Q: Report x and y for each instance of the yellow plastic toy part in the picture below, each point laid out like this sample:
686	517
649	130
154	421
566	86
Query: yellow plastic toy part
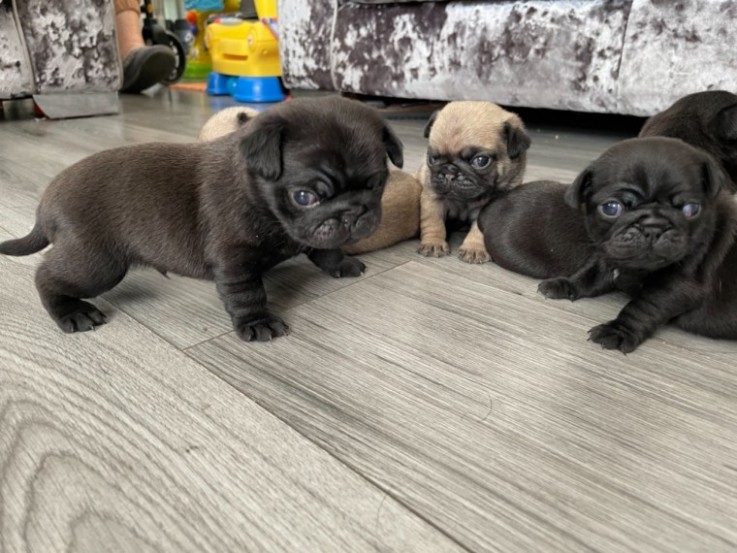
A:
245	48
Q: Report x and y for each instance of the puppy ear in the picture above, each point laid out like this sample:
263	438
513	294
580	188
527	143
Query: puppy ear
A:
580	191
394	147
712	177
242	118
430	123
262	147
518	142
725	123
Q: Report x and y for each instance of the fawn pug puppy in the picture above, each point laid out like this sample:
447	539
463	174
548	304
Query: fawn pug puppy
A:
476	151
662	228
707	120
306	176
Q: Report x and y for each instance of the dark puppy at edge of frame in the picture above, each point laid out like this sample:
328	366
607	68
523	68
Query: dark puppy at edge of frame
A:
707	120
663	228
303	177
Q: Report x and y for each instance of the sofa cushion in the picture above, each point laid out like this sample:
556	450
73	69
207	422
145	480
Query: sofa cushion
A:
305	48
71	44
684	48
562	54
415	1
15	76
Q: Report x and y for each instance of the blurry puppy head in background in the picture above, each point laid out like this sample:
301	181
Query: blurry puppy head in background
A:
225	121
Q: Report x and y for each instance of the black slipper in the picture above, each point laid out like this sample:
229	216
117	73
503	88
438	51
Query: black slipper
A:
144	67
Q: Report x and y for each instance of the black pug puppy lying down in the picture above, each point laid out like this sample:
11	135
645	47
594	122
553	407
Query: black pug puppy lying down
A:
662	229
306	176
532	230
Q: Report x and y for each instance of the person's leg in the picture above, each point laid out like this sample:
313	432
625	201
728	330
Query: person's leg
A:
128	26
143	66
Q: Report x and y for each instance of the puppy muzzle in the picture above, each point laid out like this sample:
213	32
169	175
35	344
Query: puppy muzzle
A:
349	226
451	182
649	244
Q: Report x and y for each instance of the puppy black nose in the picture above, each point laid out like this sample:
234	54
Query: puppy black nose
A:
653	227
450	168
350	216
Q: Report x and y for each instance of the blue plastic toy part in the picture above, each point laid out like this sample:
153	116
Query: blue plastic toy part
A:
245	89
257	89
204	5
217	84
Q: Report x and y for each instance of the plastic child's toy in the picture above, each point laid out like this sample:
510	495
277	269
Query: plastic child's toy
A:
199	64
245	56
199	12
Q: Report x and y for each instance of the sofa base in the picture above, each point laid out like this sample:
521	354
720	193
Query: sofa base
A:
65	106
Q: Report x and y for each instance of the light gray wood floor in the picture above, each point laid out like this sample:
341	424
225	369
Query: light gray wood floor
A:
426	406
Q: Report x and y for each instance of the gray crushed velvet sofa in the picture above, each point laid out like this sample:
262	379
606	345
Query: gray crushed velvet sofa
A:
61	52
610	56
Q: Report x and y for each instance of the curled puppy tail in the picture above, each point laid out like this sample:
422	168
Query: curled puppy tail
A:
34	242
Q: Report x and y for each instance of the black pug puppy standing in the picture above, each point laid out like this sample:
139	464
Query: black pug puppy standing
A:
663	230
304	177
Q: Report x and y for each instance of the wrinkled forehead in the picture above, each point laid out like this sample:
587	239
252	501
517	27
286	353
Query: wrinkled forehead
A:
451	135
340	139
651	174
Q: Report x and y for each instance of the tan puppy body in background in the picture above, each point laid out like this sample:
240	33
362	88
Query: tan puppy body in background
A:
225	121
400	203
476	151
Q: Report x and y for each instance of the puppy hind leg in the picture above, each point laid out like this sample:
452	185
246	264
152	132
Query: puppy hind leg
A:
68	274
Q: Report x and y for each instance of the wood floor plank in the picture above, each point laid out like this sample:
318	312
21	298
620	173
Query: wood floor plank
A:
186	312
115	441
490	414
599	309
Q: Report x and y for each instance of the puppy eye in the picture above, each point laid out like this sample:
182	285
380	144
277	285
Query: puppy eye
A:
611	209
691	210
432	159
481	162
305	198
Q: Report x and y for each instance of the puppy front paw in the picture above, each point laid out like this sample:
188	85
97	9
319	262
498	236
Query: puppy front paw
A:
558	289
474	255
434	249
261	329
614	335
348	267
80	316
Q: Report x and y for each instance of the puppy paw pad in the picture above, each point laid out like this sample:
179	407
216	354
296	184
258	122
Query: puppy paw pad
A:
557	289
439	249
82	318
614	336
475	256
261	330
349	267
